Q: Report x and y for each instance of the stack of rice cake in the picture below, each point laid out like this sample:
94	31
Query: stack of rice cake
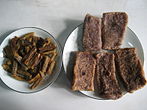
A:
107	33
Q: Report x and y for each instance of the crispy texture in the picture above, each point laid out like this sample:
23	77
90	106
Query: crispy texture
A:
28	35
44	68
8	52
26	59
14	67
48	47
84	71
7	67
130	69
113	29
51	67
35	78
45	63
29	58
15	76
36	83
92	33
27	76
107	84
35	60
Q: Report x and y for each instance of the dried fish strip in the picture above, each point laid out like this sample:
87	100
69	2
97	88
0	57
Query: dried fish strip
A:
35	84
24	42
34	79
49	53
35	61
51	67
47	41
28	35
17	77
14	46
35	40
14	67
49	47
26	74
8	52
7	67
17	57
54	56
29	58
45	64
13	43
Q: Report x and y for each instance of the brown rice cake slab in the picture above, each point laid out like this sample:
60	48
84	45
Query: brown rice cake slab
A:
113	28
92	33
107	84
84	71
130	69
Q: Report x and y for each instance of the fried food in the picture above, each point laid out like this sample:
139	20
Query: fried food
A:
30	58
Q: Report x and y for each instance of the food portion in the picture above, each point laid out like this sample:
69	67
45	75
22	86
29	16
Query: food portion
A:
84	71
92	33
113	29
106	82
130	69
106	32
30	58
112	71
108	73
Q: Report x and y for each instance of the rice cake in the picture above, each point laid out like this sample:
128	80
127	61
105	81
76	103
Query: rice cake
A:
113	29
129	69
92	33
84	71
106	82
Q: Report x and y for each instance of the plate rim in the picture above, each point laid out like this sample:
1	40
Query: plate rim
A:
97	98
60	65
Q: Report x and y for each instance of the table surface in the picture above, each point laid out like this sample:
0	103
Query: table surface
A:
60	17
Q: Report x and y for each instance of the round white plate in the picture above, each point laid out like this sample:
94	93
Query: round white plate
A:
74	43
21	86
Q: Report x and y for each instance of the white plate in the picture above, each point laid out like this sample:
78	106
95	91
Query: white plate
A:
74	43
21	86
